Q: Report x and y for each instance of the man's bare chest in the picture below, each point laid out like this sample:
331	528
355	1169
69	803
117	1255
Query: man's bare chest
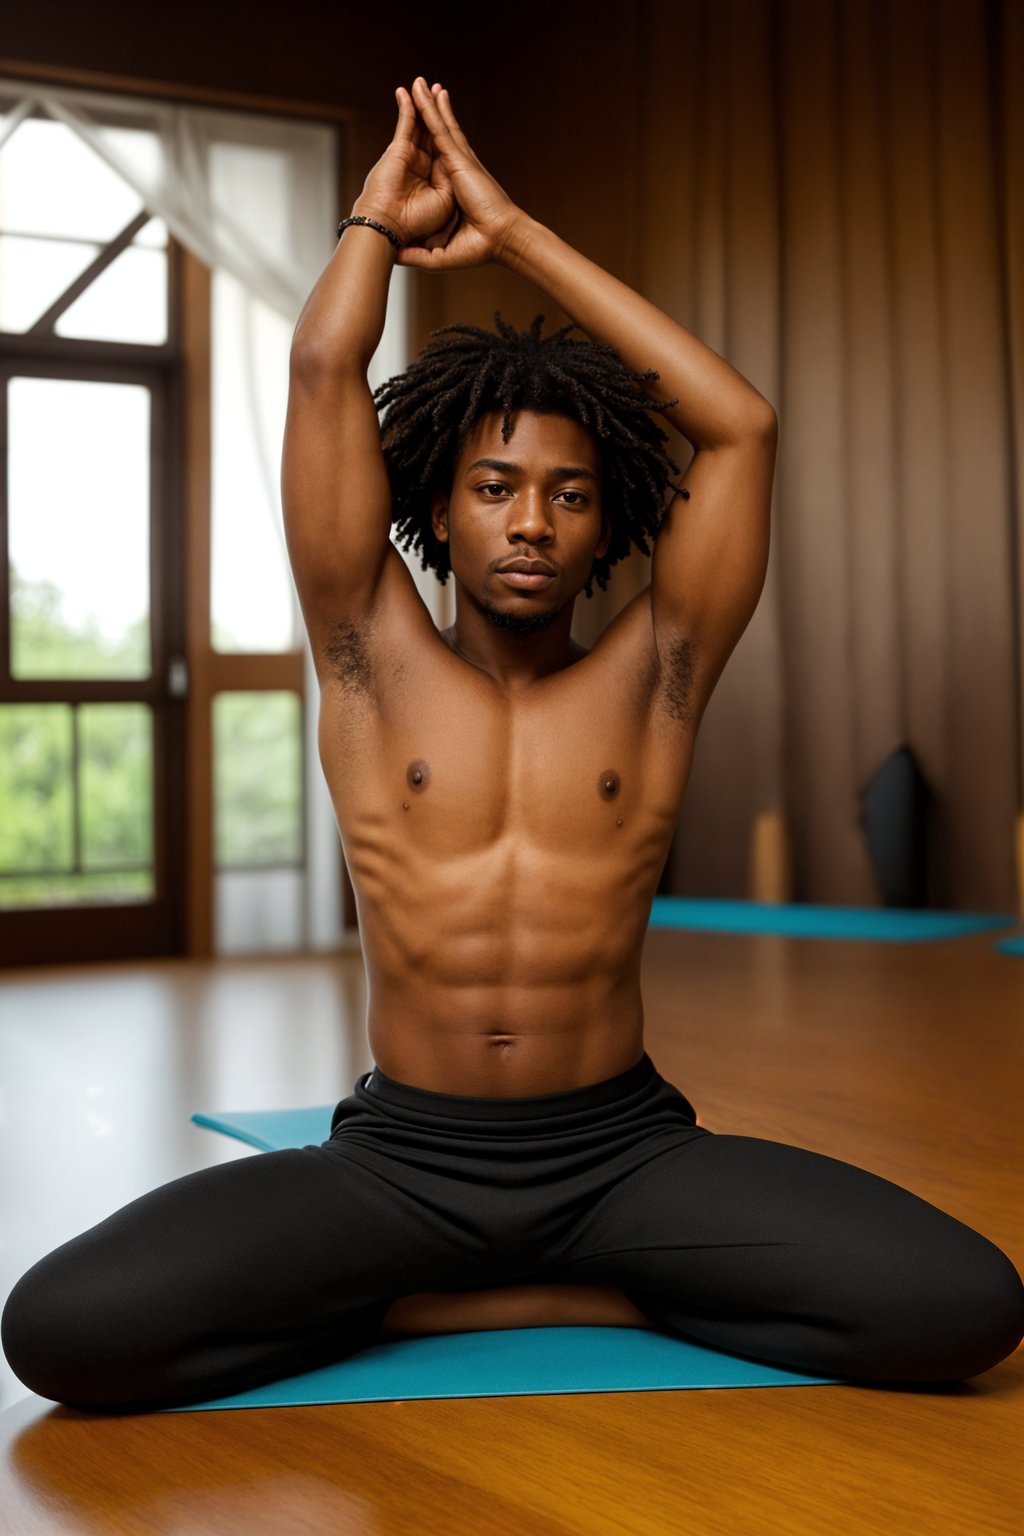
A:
579	760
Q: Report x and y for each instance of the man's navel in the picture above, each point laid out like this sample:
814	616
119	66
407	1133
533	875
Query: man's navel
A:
503	1043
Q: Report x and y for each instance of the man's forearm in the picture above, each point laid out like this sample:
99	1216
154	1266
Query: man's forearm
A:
343	319
716	405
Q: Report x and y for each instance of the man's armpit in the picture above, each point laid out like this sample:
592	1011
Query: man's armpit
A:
347	654
678	679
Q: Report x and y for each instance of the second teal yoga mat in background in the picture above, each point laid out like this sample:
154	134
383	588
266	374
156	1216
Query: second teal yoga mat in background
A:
887	925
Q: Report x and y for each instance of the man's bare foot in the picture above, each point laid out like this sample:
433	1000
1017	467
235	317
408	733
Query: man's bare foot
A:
513	1306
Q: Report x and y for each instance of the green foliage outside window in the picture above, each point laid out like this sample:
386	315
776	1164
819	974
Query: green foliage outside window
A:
35	786
257	762
43	644
257	774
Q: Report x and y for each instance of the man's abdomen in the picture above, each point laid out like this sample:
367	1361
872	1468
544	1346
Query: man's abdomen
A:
511	971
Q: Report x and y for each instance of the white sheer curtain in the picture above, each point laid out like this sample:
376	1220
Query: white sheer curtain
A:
251	195
255	199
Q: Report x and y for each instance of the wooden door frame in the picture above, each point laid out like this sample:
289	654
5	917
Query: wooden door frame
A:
88	931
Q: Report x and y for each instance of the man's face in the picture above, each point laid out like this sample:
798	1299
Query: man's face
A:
535	499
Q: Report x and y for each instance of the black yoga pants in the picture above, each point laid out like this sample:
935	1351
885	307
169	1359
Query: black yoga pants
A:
285	1261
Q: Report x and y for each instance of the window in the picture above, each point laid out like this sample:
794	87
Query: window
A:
95	689
143	241
88	751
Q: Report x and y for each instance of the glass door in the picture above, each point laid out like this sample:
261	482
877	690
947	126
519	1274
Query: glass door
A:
91	564
91	690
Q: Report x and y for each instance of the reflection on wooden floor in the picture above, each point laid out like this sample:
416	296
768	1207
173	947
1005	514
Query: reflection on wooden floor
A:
904	1059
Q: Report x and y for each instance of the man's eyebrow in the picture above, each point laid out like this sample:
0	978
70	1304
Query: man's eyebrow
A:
563	472
573	472
497	464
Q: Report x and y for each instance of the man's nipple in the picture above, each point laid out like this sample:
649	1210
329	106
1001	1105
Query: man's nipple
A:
608	786
417	775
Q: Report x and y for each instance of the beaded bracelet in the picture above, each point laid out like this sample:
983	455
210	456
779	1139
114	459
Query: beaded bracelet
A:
358	218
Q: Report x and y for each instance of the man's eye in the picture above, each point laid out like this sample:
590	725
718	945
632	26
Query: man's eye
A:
492	486
574	498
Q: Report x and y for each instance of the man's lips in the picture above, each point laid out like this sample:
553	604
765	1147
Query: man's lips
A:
526	573
526	578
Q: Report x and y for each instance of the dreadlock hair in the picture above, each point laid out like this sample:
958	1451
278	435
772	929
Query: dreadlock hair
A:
464	373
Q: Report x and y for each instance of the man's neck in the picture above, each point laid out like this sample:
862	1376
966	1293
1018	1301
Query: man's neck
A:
513	661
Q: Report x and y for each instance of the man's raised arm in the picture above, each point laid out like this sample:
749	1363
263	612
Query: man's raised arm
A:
337	508
711	553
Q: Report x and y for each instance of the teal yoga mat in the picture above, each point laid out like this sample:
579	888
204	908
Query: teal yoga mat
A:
517	1362
1014	945
507	1362
272	1129
888	925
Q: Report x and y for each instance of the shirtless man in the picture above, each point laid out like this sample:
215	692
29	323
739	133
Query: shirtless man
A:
506	802
504	897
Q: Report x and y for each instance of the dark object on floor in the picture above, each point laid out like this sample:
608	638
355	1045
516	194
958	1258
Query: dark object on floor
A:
894	814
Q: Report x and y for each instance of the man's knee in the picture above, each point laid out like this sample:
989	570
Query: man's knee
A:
990	1317
948	1320
940	1310
65	1336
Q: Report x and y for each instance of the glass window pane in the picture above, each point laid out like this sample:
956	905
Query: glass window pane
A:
59	204
258	911
115	766
33	273
252	599
127	302
79	528
257	778
52	183
251	177
140	148
77	890
152	234
36	827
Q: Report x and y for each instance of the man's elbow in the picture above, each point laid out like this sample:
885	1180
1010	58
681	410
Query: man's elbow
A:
754	422
764	423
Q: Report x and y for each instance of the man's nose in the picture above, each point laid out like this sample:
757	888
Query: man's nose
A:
530	517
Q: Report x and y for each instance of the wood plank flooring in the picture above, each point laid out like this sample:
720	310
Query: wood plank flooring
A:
904	1059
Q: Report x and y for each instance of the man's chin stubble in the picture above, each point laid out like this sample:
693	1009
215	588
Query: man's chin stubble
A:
529	623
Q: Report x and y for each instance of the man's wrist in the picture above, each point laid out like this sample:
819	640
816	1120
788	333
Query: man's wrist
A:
513	249
366	210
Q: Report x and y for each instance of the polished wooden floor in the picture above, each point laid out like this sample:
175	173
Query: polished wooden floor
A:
904	1059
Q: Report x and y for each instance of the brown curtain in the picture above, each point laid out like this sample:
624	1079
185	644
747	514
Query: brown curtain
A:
842	185
829	193
1010	88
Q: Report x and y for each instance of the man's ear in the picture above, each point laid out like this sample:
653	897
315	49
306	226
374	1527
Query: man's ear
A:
605	539
439	516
